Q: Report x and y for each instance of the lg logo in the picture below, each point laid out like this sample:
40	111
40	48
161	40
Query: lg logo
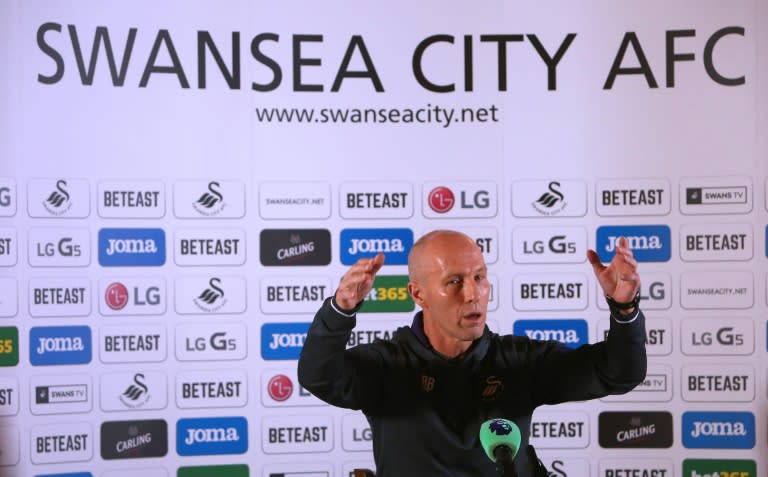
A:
5	197
441	199
557	244
724	336
65	248
459	200
218	342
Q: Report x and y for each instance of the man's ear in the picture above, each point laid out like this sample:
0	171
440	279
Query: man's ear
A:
416	293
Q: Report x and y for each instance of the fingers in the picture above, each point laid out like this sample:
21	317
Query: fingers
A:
358	281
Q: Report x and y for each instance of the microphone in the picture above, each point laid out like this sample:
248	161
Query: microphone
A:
500	439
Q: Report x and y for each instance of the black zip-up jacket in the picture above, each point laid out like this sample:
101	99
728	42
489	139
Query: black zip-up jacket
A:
425	409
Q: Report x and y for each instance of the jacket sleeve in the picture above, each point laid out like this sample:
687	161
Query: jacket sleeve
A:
344	378
613	366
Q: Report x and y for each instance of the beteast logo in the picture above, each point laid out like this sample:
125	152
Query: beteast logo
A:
134	439
376	200
131	247
647	430
649	243
9	396
212	436
572	333
9	346
719	468
459	200
298	247
718	430
136	343
59	297
366	243
57	443
217	388
59	345
282	340
718	383
9	254
558	429
131	200
236	470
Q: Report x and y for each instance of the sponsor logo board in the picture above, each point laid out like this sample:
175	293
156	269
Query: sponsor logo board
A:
633	197
715	195
719	468
134	391
716	290
211	436
63	198
203	389
282	340
131	247
8	197
209	247
627	467
211	342
635	429
9	346
215	199
572	333
59	345
280	387
718	430
294	294
137	343
294	200
718	383
62	442
9	298
9	396
649	243
295	247
132	296
60	394
539	291
395	244
466	200
389	294
206	294
717	336
59	297
131	199
49	247
296	434
9	249
716	242
559	429
134	439
549	198
656	387
549	244
376	200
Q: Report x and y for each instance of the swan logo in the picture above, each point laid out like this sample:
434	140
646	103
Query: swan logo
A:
212	298
57	202
211	202
136	395
552	201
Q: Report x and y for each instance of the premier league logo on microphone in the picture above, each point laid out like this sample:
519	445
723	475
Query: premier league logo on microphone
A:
500	427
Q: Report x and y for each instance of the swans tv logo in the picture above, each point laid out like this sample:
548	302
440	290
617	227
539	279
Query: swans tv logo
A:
212	436
60	394
134	439
572	333
367	243
59	345
718	430
282	340
719	468
131	247
649	243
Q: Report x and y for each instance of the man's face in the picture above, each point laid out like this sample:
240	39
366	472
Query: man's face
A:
451	286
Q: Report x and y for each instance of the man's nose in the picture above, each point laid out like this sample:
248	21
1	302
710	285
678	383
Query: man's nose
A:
471	291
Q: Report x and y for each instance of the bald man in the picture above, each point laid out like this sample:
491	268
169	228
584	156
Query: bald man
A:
426	391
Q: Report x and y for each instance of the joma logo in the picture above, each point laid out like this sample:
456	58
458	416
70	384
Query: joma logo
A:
131	246
206	435
726	428
640	242
376	246
54	345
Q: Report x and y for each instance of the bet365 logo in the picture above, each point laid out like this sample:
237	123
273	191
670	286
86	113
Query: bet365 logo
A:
9	346
389	294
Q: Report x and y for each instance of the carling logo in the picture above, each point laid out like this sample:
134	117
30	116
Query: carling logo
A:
282	340
366	243
299	247
649	243
134	439
131	247
212	436
58	345
572	333
718	430
637	429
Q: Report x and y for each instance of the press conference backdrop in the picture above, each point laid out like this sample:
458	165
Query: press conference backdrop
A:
183	183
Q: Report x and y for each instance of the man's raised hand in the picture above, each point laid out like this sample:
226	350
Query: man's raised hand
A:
358	281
